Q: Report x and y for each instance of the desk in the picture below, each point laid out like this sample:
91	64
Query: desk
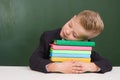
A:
25	73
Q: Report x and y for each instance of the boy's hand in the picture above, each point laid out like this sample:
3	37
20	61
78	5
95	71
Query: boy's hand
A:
72	67
69	67
84	67
64	67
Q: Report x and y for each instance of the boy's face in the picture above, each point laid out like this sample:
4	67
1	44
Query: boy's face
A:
73	30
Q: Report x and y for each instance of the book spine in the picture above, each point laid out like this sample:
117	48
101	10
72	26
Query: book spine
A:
70	55
70	51
58	47
56	59
74	43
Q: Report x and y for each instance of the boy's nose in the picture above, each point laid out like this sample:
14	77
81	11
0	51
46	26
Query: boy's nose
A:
68	31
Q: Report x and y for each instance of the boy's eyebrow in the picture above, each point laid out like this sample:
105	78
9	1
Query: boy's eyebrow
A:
83	37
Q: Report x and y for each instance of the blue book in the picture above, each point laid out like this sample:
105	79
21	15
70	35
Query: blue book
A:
70	55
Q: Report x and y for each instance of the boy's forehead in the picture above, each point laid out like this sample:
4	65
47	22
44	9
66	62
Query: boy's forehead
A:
80	31
76	19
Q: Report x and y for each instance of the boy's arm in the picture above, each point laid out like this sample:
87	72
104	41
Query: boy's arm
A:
40	58
74	67
101	62
98	64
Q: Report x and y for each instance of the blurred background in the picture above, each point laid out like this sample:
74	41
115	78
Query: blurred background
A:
23	21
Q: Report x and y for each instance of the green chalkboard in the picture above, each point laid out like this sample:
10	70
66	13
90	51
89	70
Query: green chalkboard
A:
23	21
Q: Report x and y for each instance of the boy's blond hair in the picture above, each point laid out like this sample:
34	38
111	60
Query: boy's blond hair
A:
91	20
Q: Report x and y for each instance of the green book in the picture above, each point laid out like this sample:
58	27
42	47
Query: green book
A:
74	43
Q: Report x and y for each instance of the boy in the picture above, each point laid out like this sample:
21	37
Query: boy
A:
83	26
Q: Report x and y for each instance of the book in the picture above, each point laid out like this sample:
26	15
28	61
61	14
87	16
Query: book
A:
60	47
70	55
57	59
70	51
74	43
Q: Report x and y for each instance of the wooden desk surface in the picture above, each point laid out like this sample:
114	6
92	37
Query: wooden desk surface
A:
25	73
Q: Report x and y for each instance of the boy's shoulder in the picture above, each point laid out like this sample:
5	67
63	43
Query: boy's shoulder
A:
52	33
57	31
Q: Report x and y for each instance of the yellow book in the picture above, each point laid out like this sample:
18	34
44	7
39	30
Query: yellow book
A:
59	59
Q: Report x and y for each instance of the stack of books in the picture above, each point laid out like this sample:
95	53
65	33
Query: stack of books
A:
66	50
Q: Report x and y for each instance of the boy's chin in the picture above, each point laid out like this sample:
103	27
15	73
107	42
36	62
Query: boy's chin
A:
64	38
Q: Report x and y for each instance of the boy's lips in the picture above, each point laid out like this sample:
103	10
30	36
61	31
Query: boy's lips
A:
64	34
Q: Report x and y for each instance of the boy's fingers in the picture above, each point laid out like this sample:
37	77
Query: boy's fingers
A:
77	71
